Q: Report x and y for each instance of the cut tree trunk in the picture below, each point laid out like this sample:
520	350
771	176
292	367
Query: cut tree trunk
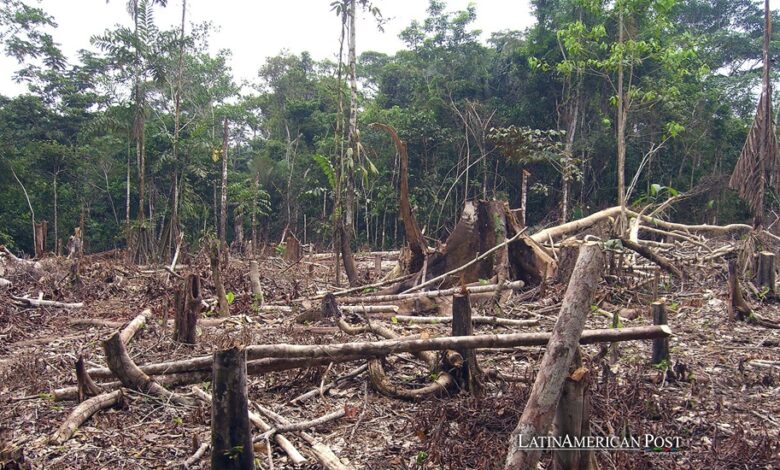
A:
468	376
216	275
292	249
86	386
540	409
41	229
254	278
738	309
766	271
572	418
189	301
661	345
231	440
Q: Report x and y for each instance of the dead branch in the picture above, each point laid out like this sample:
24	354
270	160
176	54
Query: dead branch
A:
259	423
47	303
127	334
322	452
324	388
83	412
303	425
649	254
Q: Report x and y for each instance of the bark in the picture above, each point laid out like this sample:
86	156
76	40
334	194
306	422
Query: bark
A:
254	278
129	332
189	301
292	250
86	386
371	299
738	308
131	376
475	319
47	303
649	254
524	197
572	418
231	441
83	412
766	271
414	236
41	229
540	409
223	199
567	259
468	376
661	345
259	423
216	275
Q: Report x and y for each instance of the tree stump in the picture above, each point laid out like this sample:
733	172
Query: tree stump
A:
378	266
292	250
216	275
41	230
766	271
254	278
231	441
188	306
572	418
567	258
660	346
468	374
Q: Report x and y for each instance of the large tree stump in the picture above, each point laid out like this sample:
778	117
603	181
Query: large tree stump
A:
468	375
231	441
292	249
572	418
661	345
567	258
542	403
766	271
188	306
254	278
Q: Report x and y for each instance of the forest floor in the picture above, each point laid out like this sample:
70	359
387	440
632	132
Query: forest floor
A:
724	406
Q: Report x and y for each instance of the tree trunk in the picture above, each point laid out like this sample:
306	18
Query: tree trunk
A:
216	275
766	271
231	441
468	375
621	133
223	200
188	306
572	418
540	409
661	345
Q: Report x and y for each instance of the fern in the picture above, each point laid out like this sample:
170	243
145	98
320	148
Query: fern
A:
326	168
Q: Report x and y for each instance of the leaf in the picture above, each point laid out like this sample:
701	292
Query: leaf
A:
394	320
230	296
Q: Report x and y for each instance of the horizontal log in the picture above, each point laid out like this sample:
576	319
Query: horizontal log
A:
369	299
476	319
47	303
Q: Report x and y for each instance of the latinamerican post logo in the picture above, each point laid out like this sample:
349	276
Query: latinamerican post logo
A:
644	443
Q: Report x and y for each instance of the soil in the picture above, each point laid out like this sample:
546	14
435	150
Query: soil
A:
712	395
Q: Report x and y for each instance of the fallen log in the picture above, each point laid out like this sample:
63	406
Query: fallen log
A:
540	408
387	347
476	320
131	376
184	378
371	299
136	324
279	357
83	412
47	303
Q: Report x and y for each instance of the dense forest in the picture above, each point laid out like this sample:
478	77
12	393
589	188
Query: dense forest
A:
134	132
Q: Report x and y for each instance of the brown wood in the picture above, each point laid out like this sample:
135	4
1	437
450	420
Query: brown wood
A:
254	278
766	271
189	301
292	249
738	308
649	254
83	412
131	376
231	440
414	236
468	376
660	345
216	276
135	325
41	230
567	258
572	418
539	411
86	386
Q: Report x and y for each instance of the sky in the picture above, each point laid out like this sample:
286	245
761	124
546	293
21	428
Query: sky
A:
256	29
